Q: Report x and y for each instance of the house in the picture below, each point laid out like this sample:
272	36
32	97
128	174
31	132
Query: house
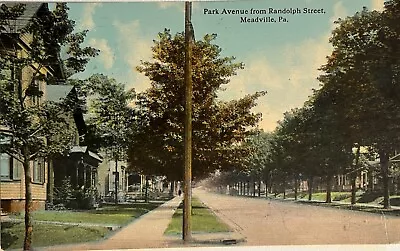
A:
113	177
79	165
11	170
130	185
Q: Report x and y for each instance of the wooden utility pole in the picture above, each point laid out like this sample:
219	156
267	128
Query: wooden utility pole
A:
187	200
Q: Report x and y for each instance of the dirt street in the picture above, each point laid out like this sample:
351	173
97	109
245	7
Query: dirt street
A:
266	222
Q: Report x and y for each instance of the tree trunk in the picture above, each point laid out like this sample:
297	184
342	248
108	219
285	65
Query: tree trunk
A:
329	189
266	187
259	188
146	195
353	188
284	188
310	187
354	177
171	189
384	163
371	180
50	182
254	189
295	187
116	179
28	203
270	182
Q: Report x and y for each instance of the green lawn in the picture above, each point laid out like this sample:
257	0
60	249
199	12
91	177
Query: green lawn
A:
321	196
203	220
12	234
53	234
110	214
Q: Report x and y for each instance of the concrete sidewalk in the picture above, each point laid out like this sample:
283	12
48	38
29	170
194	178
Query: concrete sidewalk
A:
145	232
148	232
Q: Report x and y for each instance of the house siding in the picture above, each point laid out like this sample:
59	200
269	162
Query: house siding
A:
13	194
13	191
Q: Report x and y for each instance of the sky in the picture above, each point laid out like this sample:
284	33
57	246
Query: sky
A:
281	58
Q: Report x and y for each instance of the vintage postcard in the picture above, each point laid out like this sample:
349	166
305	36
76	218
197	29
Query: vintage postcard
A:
200	125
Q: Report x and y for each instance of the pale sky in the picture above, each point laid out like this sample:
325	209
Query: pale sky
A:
281	58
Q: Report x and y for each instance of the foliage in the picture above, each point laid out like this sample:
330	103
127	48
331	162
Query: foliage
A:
111	118
64	193
360	77
259	157
80	198
37	128
219	128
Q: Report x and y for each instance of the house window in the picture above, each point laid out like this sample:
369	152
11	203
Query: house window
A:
36	100
11	169
5	159
5	163
38	171
17	169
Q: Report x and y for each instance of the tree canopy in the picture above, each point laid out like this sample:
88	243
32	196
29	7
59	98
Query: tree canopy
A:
219	127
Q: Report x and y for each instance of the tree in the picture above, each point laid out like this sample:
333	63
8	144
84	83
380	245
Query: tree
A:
354	78
27	119
112	120
309	142
219	127
259	158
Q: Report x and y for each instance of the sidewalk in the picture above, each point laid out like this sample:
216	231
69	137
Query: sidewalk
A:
148	232
145	232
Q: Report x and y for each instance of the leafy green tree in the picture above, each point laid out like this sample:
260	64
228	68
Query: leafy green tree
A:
332	148
311	144
259	158
383	51
369	115
27	119
112	120
219	127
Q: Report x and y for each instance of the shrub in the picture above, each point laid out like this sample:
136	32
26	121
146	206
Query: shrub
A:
81	198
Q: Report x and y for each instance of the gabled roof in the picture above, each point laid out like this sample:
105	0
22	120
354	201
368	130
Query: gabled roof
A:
78	149
31	10
83	150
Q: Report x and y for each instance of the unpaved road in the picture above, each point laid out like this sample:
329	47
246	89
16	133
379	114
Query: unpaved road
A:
268	222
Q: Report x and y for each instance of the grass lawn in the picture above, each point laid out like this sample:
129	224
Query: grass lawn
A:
303	195
203	220
108	214
336	196
12	234
321	196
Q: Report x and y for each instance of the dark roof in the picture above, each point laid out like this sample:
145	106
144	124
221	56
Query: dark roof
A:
31	10
84	150
57	92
